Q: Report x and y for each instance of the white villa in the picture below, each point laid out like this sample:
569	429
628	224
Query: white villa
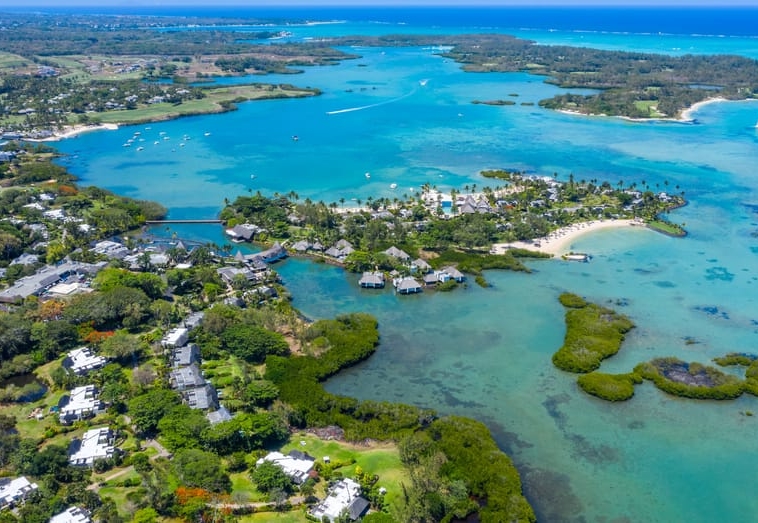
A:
80	403
13	491
82	360
296	465
344	495
72	515
95	444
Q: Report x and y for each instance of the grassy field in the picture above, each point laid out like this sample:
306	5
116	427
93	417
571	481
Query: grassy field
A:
650	107
296	516
382	459
212	103
10	62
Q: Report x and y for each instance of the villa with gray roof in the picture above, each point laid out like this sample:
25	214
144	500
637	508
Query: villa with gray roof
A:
219	415
47	276
201	398
185	355
397	253
455	274
421	265
186	378
244	232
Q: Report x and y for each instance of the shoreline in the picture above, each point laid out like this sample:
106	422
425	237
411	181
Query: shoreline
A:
685	116
558	242
74	131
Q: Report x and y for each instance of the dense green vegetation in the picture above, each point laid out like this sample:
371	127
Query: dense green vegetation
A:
690	380
456	470
736	358
666	227
341	342
610	387
593	333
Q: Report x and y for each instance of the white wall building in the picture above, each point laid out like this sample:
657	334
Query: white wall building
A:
95	444
14	491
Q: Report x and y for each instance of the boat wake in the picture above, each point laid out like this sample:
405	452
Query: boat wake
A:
361	108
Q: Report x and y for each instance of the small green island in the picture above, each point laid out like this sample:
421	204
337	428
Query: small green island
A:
594	333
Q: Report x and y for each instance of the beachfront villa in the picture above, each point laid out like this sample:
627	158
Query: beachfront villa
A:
398	254
406	285
372	280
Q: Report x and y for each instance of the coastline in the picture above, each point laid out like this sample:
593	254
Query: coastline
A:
685	116
557	243
74	131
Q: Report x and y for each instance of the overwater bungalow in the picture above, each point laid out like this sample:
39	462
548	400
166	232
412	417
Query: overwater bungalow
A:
407	285
372	280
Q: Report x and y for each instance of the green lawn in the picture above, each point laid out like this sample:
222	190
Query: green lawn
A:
209	104
244	488
9	62
296	516
382	459
650	107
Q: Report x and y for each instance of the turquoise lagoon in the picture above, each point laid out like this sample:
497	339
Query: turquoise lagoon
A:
486	353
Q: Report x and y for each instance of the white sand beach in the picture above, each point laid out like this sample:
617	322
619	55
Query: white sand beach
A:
76	130
558	242
687	114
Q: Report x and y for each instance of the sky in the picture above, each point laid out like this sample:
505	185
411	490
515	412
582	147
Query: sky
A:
358	3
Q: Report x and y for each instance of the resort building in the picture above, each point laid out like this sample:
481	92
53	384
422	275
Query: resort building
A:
217	416
296	465
202	398
14	491
454	274
421	266
82	360
94	444
372	280
72	515
185	378
396	253
111	249
343	496
243	232
406	285
79	404
185	355
46	277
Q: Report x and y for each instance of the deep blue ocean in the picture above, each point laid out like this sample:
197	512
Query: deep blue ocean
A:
406	116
